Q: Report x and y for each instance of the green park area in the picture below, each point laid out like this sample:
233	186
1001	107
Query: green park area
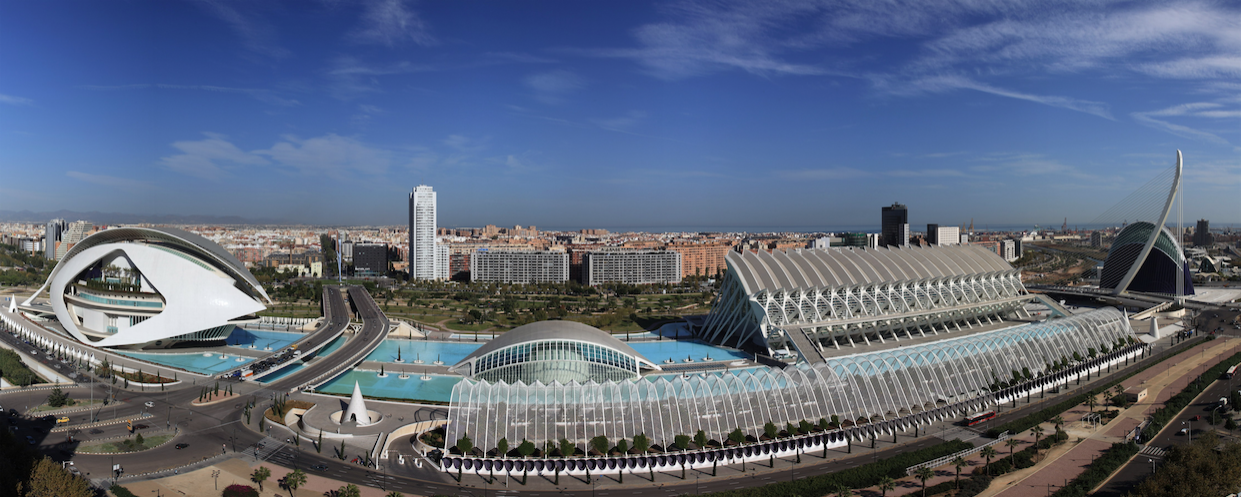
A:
490	307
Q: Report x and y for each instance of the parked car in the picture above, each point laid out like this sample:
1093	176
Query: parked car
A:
29	439
141	427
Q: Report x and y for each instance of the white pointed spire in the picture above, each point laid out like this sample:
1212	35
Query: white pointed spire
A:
1154	326
357	407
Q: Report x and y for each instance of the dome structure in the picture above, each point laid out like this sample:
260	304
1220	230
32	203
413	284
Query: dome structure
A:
145	287
1158	273
554	351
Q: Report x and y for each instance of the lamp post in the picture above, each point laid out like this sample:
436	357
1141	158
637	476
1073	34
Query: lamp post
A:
1152	461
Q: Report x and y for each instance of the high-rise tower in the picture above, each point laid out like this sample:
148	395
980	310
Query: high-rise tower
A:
422	224
55	229
895	225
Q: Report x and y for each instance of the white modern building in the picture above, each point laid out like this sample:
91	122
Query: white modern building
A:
422	227
635	267
519	266
943	235
140	287
441	261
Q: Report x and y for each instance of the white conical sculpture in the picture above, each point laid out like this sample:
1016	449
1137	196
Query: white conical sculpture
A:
1155	327
357	407
13	304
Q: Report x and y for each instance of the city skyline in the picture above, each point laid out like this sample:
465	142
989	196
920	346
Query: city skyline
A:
667	114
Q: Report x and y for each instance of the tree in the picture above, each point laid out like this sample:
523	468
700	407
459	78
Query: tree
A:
700	439
525	449
622	446
394	493
959	462
58	398
770	430
842	490
294	479
1037	431
465	445
342	450
567	448
139	440
738	438
886	483
502	447
1058	421
987	452
104	370
1012	444
48	479
641	443
260	475
924	473
349	490
600	443
1092	401
681	441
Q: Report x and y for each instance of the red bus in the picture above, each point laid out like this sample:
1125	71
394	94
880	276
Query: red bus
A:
980	417
1231	371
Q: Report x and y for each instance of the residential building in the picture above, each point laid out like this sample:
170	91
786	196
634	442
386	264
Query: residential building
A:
519	266
702	258
422	250
1202	234
635	267
943	235
51	235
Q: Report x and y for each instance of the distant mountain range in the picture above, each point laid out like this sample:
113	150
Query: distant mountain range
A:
124	218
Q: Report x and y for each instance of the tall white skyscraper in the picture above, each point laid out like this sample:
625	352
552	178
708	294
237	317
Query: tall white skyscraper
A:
422	226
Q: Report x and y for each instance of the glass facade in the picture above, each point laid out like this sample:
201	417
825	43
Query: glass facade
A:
878	385
549	361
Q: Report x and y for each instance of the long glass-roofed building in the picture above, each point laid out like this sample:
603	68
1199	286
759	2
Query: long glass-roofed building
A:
858	388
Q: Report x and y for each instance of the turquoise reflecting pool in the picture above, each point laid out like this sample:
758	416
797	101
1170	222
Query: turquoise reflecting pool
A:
678	350
282	372
262	339
411	350
194	361
331	347
437	389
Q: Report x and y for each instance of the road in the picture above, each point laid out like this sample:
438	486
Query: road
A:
374	331
1131	474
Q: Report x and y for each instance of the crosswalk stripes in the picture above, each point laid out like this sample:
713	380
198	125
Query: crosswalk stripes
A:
1151	450
266	447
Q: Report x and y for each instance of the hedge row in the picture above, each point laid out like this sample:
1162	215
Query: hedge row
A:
1099	470
970	486
866	475
120	491
1182	400
1029	421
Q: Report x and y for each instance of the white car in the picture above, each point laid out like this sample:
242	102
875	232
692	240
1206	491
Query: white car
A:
149	404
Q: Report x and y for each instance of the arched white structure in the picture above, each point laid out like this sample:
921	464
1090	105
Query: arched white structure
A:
1154	233
178	286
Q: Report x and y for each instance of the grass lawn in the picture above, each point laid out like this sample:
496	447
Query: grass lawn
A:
127	445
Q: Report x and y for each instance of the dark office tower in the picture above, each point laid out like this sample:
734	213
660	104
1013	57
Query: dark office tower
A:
896	225
1202	235
55	229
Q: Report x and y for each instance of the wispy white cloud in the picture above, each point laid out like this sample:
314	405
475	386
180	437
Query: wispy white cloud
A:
831	173
256	35
210	158
924	173
551	87
109	181
350	78
624	122
268	96
392	23
943	83
14	100
330	155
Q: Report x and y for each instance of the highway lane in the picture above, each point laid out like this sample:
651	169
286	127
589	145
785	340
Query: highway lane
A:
374	330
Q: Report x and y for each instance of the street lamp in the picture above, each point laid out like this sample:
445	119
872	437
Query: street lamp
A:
1152	461
1191	429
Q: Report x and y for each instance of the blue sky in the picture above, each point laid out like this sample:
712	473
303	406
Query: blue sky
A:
614	114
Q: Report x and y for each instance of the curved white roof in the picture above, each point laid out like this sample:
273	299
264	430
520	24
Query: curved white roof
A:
813	268
556	330
203	286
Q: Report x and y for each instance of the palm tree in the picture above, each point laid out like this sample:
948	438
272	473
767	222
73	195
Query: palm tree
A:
842	491
886	483
1037	431
988	452
1011	443
1092	401
394	493
260	475
1058	421
959	463
924	473
294	479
